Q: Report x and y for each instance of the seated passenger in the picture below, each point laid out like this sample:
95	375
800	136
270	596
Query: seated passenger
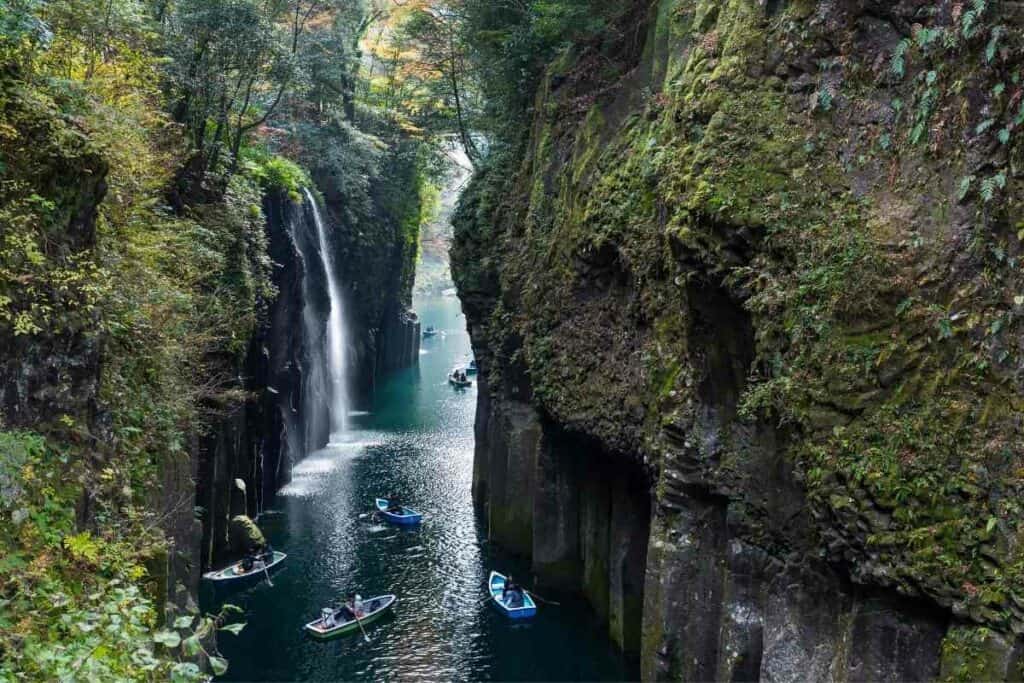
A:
512	594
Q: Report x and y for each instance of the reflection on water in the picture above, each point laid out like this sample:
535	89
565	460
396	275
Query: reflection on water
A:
417	440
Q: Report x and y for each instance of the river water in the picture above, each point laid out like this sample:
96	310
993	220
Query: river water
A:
417	440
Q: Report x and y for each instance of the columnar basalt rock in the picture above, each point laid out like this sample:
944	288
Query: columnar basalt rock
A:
261	439
727	268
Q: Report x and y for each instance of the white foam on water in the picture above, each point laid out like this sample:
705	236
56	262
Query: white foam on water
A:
314	466
299	488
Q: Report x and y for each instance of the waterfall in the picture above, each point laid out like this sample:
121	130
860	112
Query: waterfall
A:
336	334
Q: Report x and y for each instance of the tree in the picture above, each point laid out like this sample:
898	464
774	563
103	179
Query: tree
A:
232	64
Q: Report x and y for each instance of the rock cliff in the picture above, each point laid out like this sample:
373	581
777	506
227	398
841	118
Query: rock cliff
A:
285	418
747	304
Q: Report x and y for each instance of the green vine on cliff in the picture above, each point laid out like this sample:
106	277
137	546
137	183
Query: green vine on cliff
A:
72	603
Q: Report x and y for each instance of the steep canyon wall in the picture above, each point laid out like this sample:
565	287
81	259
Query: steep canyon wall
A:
286	416
744	304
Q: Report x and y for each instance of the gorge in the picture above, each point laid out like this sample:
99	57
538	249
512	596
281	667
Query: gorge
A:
742	279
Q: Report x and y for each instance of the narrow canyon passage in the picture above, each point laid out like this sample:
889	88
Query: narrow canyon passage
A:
416	439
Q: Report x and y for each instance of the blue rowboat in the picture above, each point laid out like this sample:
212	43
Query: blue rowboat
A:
406	518
497	585
471	369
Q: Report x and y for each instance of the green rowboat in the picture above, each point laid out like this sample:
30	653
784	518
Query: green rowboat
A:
334	626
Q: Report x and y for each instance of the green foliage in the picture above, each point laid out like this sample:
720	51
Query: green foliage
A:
556	22
897	384
510	48
275	173
70	602
138	141
971	19
899	56
990	185
165	296
965	187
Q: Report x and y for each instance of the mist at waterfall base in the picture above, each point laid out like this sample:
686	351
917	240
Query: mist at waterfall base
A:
417	439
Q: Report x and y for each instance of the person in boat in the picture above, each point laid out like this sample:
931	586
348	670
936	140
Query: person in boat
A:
258	558
394	504
247	540
352	608
512	593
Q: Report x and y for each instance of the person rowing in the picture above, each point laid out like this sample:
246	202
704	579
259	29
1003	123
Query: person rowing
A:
512	593
395	504
247	540
352	609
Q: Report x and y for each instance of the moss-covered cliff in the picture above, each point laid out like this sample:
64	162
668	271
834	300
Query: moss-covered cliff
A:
151	354
763	257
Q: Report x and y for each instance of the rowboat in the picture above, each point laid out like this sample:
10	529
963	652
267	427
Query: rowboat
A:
330	627
236	575
497	585
460	383
429	332
406	517
471	369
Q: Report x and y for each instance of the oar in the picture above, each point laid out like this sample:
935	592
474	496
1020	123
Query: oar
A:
267	574
356	615
371	513
546	602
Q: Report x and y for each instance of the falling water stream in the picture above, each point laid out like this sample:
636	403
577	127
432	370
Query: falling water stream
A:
336	337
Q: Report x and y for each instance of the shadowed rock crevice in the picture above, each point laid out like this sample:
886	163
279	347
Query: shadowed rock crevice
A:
722	337
576	511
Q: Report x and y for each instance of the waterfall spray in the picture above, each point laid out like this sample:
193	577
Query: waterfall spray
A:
336	333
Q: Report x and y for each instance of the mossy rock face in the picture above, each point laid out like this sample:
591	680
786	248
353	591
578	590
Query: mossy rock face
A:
976	653
780	255
52	181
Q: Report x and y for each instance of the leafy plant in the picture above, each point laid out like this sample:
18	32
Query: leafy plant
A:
990	185
965	187
898	64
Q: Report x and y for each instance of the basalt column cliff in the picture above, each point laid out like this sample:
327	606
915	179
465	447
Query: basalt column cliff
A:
748	305
286	417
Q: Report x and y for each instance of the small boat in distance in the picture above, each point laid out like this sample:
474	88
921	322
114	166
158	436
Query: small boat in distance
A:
430	332
236	575
471	369
406	517
496	585
458	379
329	626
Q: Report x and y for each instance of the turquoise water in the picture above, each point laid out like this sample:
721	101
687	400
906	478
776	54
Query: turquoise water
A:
416	439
